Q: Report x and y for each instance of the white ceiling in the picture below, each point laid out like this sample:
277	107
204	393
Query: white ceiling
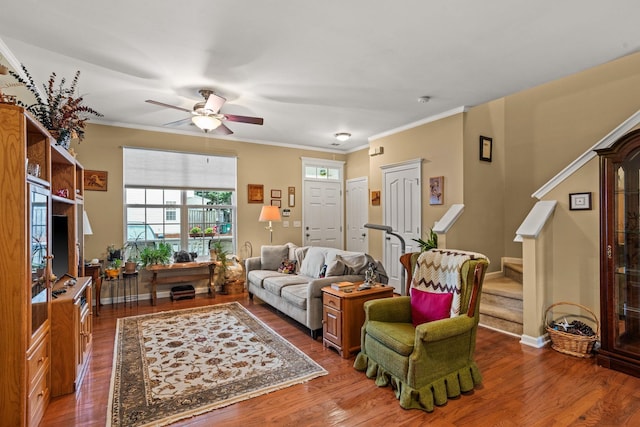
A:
310	68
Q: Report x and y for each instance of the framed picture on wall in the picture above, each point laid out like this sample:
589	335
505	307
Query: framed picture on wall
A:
486	148
95	180
256	193
436	190
580	201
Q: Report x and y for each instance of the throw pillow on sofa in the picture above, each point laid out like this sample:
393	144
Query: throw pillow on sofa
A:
288	266
272	256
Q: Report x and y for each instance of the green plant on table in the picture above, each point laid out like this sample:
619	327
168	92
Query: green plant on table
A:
160	254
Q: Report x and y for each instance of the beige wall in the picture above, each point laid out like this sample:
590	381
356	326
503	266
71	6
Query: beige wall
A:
440	145
274	167
549	126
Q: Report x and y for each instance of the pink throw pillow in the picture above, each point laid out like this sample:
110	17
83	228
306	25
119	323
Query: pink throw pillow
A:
429	306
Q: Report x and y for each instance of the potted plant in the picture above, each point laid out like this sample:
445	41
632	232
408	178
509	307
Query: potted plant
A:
215	248
61	110
132	251
113	270
209	231
430	243
160	254
195	231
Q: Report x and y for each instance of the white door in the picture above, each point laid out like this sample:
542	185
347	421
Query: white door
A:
402	201
357	201
322	214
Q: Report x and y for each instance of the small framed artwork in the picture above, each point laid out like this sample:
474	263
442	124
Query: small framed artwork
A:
276	194
275	202
436	190
95	180
375	198
486	148
256	193
292	196
580	201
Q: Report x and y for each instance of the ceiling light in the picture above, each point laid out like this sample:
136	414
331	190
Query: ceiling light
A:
342	136
424	99
206	123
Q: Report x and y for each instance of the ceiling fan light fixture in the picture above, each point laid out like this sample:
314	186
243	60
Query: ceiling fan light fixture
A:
206	123
342	136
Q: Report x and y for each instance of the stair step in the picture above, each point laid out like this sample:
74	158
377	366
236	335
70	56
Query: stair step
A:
503	286
513	271
501	305
501	324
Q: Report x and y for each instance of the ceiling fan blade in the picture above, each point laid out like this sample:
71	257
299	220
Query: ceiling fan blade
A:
178	122
162	104
244	119
222	130
214	103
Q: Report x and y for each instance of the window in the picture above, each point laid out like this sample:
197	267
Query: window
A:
189	215
170	214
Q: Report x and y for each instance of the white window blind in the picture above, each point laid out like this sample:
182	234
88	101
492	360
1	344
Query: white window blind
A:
172	169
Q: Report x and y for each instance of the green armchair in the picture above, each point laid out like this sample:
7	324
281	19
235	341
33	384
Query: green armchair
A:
431	362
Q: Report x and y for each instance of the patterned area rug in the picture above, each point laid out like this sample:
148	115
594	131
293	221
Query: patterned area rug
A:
173	365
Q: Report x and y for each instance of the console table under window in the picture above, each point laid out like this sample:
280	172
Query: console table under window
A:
160	275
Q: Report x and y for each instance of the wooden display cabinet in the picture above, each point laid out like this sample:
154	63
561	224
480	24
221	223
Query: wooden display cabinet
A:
33	170
71	335
620	255
343	316
24	250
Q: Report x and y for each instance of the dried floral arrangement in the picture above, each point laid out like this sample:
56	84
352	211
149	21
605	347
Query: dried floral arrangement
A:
61	112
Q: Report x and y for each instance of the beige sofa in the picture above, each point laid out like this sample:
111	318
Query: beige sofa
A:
299	295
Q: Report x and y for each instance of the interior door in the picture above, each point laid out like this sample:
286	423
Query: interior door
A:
357	201
322	214
402	201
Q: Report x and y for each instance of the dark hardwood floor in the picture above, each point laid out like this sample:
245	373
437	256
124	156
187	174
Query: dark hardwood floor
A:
522	386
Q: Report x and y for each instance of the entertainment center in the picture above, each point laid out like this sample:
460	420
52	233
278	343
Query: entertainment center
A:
46	341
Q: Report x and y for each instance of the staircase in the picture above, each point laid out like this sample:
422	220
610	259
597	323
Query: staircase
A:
501	301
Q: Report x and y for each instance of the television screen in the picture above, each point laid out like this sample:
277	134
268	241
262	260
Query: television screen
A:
60	247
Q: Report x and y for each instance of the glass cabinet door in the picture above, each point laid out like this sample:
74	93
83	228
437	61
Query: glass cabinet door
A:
38	250
626	259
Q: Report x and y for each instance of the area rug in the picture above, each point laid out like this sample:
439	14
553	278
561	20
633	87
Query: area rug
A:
176	364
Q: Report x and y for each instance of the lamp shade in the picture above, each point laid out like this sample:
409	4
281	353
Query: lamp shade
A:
86	225
269	213
206	123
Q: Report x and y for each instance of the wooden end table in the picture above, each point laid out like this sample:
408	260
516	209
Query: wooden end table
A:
343	316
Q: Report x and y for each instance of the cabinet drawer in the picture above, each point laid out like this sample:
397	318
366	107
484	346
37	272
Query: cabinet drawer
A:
38	361
332	301
38	399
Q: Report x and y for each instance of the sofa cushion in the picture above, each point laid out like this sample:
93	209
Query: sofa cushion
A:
296	295
313	262
398	336
272	256
257	276
337	267
275	284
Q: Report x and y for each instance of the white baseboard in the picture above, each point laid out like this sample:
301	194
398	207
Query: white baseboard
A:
499	330
536	342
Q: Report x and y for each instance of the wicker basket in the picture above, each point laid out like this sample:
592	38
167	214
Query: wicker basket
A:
575	345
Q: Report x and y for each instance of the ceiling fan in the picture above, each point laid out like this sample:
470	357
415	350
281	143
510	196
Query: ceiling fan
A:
207	116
